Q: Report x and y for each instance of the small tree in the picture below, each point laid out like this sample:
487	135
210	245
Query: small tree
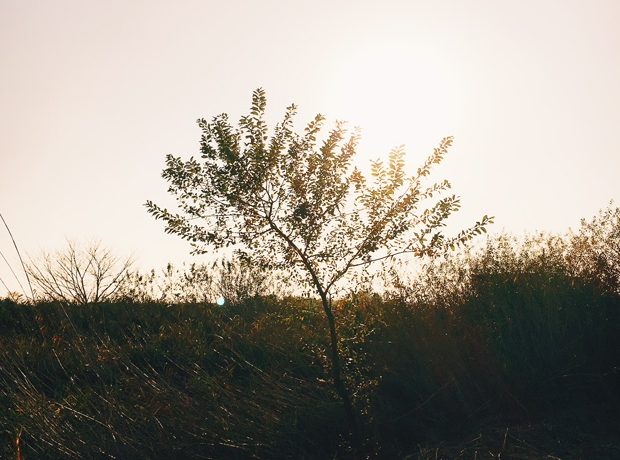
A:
298	204
78	276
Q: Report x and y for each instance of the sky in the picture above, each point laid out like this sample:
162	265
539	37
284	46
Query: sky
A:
93	95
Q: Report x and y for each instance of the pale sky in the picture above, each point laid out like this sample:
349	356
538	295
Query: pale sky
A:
94	94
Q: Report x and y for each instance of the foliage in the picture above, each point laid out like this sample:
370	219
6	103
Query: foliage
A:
292	202
595	248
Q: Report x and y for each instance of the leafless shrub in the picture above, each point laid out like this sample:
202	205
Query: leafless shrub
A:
79	276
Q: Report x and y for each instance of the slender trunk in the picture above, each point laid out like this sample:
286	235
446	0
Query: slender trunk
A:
341	388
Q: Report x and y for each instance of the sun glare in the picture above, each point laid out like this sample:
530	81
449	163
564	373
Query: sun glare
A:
396	95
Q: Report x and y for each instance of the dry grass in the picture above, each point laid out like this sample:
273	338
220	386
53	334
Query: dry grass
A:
510	353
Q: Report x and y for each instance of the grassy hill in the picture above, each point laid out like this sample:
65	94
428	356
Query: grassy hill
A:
511	352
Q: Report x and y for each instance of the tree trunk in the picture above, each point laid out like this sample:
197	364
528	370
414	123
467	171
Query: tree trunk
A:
341	388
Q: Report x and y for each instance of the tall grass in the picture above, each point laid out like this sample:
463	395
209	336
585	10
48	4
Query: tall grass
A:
152	381
21	260
523	333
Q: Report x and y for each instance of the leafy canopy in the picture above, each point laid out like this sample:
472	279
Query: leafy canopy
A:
294	201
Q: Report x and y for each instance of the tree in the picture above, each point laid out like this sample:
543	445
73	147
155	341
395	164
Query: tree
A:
79	276
295	203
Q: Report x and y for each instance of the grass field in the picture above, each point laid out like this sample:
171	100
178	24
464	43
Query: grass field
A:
511	352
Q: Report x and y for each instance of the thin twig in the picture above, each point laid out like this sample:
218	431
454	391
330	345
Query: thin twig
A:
14	275
20	257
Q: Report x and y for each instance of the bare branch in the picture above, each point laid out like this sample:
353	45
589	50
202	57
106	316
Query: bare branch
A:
79	276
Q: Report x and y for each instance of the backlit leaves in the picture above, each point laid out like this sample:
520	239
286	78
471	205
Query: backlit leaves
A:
295	201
